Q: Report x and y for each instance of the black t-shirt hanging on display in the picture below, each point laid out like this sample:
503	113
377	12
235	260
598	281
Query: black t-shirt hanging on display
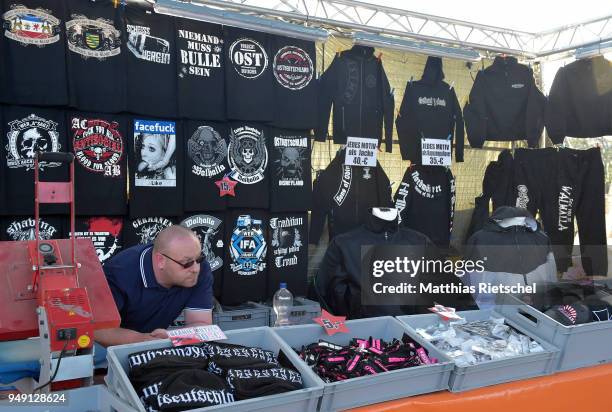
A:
96	56
35	53
210	230
151	62
288	254
156	168
99	145
17	228
206	164
245	271
105	233
290	177
144	230
201	76
248	75
294	66
27	130
248	159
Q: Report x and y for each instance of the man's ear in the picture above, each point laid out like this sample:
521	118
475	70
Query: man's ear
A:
158	260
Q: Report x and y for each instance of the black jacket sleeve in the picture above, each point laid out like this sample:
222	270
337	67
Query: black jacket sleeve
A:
320	210
327	88
459	127
383	187
556	109
330	281
535	113
475	113
388	109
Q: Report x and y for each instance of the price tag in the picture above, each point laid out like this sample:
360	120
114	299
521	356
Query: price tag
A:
436	152
197	334
361	152
332	324
446	313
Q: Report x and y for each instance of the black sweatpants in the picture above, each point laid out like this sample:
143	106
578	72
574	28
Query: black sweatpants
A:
563	184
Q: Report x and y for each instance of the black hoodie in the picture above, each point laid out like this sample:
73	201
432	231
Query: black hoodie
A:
343	195
580	100
430	109
504	105
357	86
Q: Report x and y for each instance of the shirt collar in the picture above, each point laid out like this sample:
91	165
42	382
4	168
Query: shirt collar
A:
146	268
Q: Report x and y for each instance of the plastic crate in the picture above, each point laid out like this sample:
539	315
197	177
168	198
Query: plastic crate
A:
495	371
301	400
580	345
91	398
248	315
367	390
301	313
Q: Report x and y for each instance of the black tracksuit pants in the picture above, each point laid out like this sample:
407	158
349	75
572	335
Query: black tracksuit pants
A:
563	184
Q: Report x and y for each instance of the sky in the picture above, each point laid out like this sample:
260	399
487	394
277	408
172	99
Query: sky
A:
524	15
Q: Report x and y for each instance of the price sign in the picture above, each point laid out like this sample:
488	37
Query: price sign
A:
361	152
436	152
190	336
332	324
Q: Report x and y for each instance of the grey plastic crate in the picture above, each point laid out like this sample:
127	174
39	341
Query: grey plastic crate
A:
301	313
491	372
91	398
248	315
580	345
367	390
305	399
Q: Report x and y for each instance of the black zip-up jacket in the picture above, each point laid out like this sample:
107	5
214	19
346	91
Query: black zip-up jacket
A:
357	86
342	288
343	195
504	105
430	109
580	100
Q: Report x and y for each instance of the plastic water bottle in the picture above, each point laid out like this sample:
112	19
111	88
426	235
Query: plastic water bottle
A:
282	303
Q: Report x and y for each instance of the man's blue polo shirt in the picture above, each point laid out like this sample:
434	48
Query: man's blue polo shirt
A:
143	304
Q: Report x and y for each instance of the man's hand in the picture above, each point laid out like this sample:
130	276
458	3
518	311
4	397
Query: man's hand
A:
159	334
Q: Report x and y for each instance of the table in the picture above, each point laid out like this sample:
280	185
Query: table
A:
580	390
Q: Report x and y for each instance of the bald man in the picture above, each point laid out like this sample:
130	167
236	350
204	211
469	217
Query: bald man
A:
153	283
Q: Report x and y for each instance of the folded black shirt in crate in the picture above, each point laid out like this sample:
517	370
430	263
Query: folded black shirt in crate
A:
363	357
470	343
208	374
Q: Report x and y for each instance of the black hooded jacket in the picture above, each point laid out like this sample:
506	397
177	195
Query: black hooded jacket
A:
430	109
357	86
504	105
344	283
343	195
580	100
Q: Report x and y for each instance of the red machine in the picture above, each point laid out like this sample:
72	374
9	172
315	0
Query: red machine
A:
53	295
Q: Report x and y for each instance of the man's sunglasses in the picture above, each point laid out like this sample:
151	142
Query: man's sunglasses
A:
187	265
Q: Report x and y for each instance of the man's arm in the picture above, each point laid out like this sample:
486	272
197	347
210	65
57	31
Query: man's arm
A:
120	336
201	317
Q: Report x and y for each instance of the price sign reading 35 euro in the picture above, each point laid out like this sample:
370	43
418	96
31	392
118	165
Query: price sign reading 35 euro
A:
436	152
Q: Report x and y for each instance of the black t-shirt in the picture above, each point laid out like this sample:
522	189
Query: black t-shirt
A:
288	254
290	177
96	56
17	228
35	53
99	145
201	75
105	232
27	130
205	164
248	75
156	168
144	230
211	231
249	163
245	271
294	66
151	62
